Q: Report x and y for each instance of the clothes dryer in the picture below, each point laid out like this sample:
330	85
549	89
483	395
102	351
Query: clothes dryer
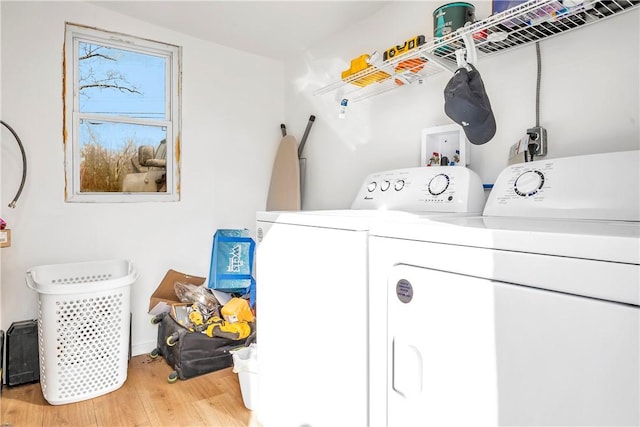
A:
312	293
527	315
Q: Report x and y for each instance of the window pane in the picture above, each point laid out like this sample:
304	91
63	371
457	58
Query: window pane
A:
122	117
115	81
122	157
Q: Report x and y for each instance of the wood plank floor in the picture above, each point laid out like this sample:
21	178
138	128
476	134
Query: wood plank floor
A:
145	399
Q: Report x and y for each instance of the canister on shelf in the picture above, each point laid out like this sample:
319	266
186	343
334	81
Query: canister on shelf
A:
449	17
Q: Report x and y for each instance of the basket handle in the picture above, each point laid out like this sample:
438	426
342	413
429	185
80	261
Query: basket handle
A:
30	282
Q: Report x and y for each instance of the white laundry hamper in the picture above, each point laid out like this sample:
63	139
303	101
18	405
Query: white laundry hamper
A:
83	327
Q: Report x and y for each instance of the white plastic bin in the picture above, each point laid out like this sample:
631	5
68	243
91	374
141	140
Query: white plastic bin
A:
245	364
83	327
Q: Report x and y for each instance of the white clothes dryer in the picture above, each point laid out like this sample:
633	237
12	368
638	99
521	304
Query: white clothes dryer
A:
528	315
312	287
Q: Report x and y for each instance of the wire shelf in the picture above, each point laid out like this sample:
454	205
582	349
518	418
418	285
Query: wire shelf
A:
519	26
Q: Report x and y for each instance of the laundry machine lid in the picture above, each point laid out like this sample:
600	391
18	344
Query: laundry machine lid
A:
345	219
615	241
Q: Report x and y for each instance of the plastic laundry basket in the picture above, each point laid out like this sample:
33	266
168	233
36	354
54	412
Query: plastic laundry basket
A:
83	327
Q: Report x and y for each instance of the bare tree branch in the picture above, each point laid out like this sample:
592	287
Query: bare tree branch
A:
111	79
96	55
111	86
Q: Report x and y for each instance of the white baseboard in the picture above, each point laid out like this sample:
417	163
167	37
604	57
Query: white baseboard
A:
143	348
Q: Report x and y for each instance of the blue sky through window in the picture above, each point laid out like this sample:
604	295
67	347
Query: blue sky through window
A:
130	70
120	83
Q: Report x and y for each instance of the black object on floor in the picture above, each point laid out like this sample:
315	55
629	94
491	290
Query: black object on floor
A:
1	357
23	365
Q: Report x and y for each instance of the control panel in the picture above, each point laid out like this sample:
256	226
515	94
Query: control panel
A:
595	186
422	189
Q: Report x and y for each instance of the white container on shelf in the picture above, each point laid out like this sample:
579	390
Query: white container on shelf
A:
440	142
83	327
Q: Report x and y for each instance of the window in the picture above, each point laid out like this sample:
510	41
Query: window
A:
122	122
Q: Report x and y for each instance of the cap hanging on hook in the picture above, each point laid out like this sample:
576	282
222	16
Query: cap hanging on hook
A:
466	103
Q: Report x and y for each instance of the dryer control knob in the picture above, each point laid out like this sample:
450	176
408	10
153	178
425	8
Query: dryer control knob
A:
371	186
528	183
399	185
438	184
385	185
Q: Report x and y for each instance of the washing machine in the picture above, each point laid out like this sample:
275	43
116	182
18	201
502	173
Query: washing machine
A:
312	293
527	315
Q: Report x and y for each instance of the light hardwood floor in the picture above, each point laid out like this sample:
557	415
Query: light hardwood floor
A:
145	399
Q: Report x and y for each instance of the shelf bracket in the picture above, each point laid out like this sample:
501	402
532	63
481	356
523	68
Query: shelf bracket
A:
444	64
468	55
464	56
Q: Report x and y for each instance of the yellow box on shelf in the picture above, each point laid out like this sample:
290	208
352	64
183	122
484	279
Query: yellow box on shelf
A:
360	64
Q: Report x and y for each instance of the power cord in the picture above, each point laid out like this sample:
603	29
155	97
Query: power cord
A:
533	146
539	60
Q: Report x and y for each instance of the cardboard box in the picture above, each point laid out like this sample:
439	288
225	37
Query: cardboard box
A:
5	238
165	293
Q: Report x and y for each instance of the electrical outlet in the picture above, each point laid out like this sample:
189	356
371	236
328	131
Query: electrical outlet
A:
538	141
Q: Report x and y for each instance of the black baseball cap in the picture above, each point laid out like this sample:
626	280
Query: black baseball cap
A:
466	103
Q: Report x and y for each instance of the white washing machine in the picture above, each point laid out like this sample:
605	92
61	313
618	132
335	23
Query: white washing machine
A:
312	307
525	316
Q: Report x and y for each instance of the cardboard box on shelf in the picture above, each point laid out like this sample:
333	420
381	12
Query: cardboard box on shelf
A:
165	295
5	238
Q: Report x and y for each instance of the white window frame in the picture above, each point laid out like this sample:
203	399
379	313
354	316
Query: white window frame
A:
74	34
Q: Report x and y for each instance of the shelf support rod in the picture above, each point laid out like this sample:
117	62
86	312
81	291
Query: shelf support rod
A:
444	64
470	45
469	51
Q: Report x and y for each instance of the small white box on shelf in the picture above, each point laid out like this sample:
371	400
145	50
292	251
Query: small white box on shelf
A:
444	146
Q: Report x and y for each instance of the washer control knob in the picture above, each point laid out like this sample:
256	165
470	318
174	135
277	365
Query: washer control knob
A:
399	185
528	183
371	186
385	185
438	184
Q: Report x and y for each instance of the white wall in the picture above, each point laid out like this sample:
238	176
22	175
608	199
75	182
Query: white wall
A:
230	130
231	117
589	100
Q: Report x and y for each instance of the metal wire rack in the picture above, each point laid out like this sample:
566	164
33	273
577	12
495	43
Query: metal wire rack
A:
519	26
